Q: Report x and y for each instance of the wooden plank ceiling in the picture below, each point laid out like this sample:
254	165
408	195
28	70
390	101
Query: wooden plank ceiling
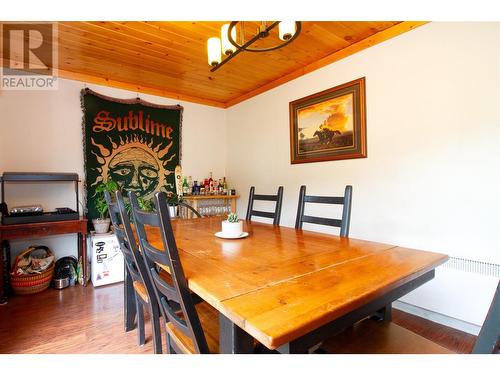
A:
170	58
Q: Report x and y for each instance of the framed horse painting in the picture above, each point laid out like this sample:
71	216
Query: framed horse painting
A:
329	125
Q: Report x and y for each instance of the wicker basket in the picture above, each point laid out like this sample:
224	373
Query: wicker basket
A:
31	284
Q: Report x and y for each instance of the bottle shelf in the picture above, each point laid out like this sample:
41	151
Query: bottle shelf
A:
203	197
211	205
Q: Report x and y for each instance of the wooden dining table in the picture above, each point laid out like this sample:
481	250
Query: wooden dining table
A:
291	288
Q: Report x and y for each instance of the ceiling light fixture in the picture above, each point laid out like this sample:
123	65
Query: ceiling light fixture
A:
229	47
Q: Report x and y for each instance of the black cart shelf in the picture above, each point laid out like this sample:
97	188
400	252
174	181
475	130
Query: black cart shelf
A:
35	177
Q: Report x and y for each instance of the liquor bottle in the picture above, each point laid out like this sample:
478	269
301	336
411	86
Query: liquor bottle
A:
206	185
178	180
185	187
210	183
190	185
196	189
224	186
216	187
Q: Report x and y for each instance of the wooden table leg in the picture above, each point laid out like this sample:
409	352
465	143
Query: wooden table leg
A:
290	348
129	308
232	339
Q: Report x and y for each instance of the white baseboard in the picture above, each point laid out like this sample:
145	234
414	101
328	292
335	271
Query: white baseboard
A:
437	317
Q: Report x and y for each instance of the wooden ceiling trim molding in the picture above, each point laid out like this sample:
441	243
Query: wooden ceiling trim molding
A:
66	74
83	63
174	74
126	74
347	51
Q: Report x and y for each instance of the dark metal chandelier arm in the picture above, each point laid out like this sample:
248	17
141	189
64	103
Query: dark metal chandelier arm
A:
229	57
244	47
298	28
238	47
258	36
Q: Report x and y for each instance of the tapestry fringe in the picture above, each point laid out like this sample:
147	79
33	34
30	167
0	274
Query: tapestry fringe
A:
84	178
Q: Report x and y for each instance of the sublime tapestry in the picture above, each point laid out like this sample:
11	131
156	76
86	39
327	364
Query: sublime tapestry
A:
132	142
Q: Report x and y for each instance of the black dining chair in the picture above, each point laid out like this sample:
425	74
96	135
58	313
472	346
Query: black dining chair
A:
190	327
143	289
278	198
373	337
488	341
345	201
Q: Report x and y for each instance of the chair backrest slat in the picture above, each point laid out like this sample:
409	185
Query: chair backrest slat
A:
345	201
174	318
134	272
154	255
265	197
488	341
168	296
269	215
322	221
278	198
120	235
326	200
165	289
146	218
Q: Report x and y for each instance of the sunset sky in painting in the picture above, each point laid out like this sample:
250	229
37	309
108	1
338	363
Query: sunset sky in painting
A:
335	114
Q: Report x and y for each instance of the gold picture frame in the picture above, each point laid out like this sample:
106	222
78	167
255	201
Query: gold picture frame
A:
329	125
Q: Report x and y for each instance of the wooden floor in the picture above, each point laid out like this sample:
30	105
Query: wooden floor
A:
90	320
452	339
73	320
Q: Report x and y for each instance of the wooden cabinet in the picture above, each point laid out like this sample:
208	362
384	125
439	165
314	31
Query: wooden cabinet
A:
34	230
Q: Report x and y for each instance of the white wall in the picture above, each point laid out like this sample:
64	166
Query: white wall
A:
432	177
42	131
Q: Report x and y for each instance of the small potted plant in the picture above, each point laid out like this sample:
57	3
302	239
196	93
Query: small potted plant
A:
173	201
101	224
232	227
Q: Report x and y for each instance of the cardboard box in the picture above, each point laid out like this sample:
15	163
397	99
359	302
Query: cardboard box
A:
106	262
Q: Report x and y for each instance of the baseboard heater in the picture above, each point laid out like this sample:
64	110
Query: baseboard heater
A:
473	266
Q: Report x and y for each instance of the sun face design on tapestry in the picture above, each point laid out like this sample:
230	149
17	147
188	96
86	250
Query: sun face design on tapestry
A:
135	164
